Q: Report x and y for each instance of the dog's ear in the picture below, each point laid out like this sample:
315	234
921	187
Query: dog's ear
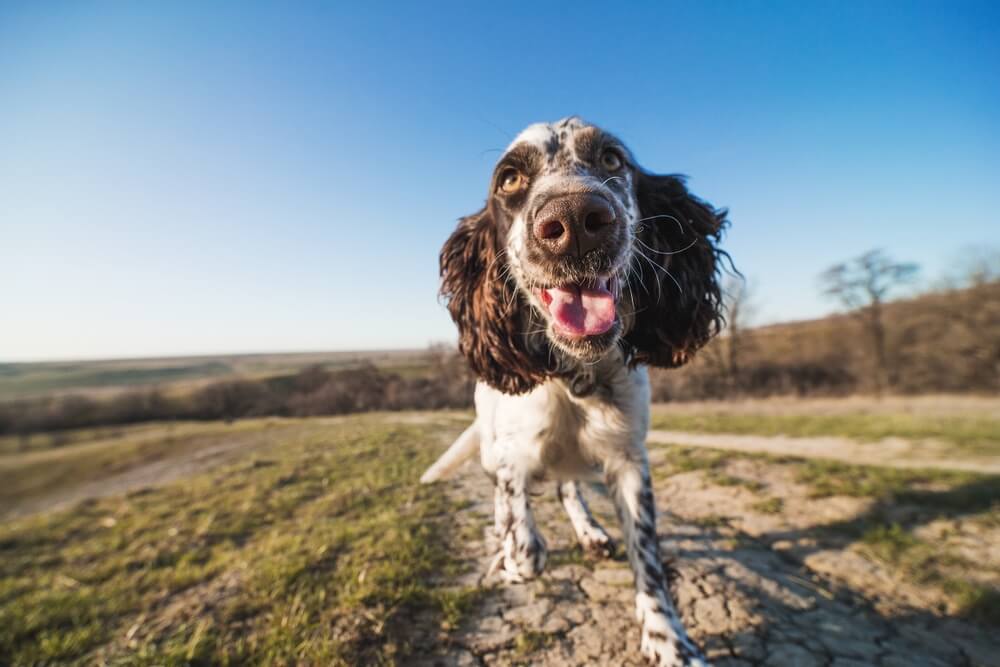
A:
490	312
679	304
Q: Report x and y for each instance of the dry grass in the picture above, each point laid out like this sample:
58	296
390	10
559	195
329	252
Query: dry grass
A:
932	405
319	548
971	425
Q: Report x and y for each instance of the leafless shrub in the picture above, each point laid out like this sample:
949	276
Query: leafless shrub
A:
862	286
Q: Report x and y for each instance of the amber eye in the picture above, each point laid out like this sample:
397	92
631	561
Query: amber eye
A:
611	160
511	180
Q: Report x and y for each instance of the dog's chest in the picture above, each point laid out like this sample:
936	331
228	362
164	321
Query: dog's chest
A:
552	430
584	431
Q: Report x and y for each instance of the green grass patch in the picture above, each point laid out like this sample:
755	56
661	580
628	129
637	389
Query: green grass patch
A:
530	641
769	506
973	435
943	490
573	555
724	479
677	459
926	563
322	550
711	521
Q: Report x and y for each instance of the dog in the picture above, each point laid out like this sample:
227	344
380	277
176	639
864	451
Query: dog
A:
581	270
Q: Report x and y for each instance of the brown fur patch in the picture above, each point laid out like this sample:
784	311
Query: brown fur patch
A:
674	320
488	309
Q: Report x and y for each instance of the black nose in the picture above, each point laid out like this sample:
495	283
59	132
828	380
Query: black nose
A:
574	224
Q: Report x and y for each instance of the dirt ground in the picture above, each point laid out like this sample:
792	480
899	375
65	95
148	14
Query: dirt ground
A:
754	588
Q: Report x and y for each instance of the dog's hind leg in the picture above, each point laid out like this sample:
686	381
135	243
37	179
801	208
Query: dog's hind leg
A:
664	639
590	534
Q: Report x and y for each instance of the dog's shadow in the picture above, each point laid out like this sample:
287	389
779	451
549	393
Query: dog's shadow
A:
755	599
782	611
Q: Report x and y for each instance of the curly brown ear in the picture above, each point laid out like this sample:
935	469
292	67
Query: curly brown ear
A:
489	312
679	304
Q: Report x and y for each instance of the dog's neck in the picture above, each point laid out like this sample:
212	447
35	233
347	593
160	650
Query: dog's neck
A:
583	379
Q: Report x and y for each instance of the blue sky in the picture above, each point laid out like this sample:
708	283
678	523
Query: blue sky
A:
181	178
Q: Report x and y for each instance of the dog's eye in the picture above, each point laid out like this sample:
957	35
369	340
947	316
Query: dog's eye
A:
511	180
611	160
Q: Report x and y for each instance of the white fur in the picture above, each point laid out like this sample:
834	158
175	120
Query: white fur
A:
536	135
550	432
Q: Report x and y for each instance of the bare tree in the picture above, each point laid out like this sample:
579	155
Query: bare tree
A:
740	311
862	285
725	355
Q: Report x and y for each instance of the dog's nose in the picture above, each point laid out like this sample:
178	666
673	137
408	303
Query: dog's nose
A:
574	224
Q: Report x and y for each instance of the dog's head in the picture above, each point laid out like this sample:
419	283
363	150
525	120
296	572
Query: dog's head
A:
576	251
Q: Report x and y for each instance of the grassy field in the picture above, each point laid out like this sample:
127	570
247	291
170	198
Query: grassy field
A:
318	547
308	541
970	425
26	380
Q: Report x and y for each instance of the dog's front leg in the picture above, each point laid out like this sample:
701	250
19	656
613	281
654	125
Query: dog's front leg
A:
664	640
522	550
589	533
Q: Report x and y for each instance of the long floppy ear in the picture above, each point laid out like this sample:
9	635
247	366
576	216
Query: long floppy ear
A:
679	304
490	314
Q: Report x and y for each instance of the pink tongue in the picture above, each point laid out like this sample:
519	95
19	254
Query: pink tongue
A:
581	311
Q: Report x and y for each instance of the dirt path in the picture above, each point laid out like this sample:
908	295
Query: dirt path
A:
760	591
145	475
890	452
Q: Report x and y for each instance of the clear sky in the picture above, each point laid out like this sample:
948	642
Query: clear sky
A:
194	177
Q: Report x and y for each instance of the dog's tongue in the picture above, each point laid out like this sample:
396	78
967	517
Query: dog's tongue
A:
580	311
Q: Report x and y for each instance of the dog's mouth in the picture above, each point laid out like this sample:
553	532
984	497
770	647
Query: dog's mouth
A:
580	310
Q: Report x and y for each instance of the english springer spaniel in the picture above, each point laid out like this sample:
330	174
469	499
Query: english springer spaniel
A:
580	270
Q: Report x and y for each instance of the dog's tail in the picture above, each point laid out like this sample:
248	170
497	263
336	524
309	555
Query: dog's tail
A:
461	450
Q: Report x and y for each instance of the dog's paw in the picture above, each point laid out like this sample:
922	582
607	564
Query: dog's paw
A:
518	563
598	544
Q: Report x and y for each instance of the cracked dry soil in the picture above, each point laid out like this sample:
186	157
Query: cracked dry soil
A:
751	592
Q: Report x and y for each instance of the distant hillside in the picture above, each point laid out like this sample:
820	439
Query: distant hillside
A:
945	341
109	377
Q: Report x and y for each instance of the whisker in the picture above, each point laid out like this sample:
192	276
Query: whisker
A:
631	296
612	178
639	253
500	254
496	127
664	215
672	252
660	268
